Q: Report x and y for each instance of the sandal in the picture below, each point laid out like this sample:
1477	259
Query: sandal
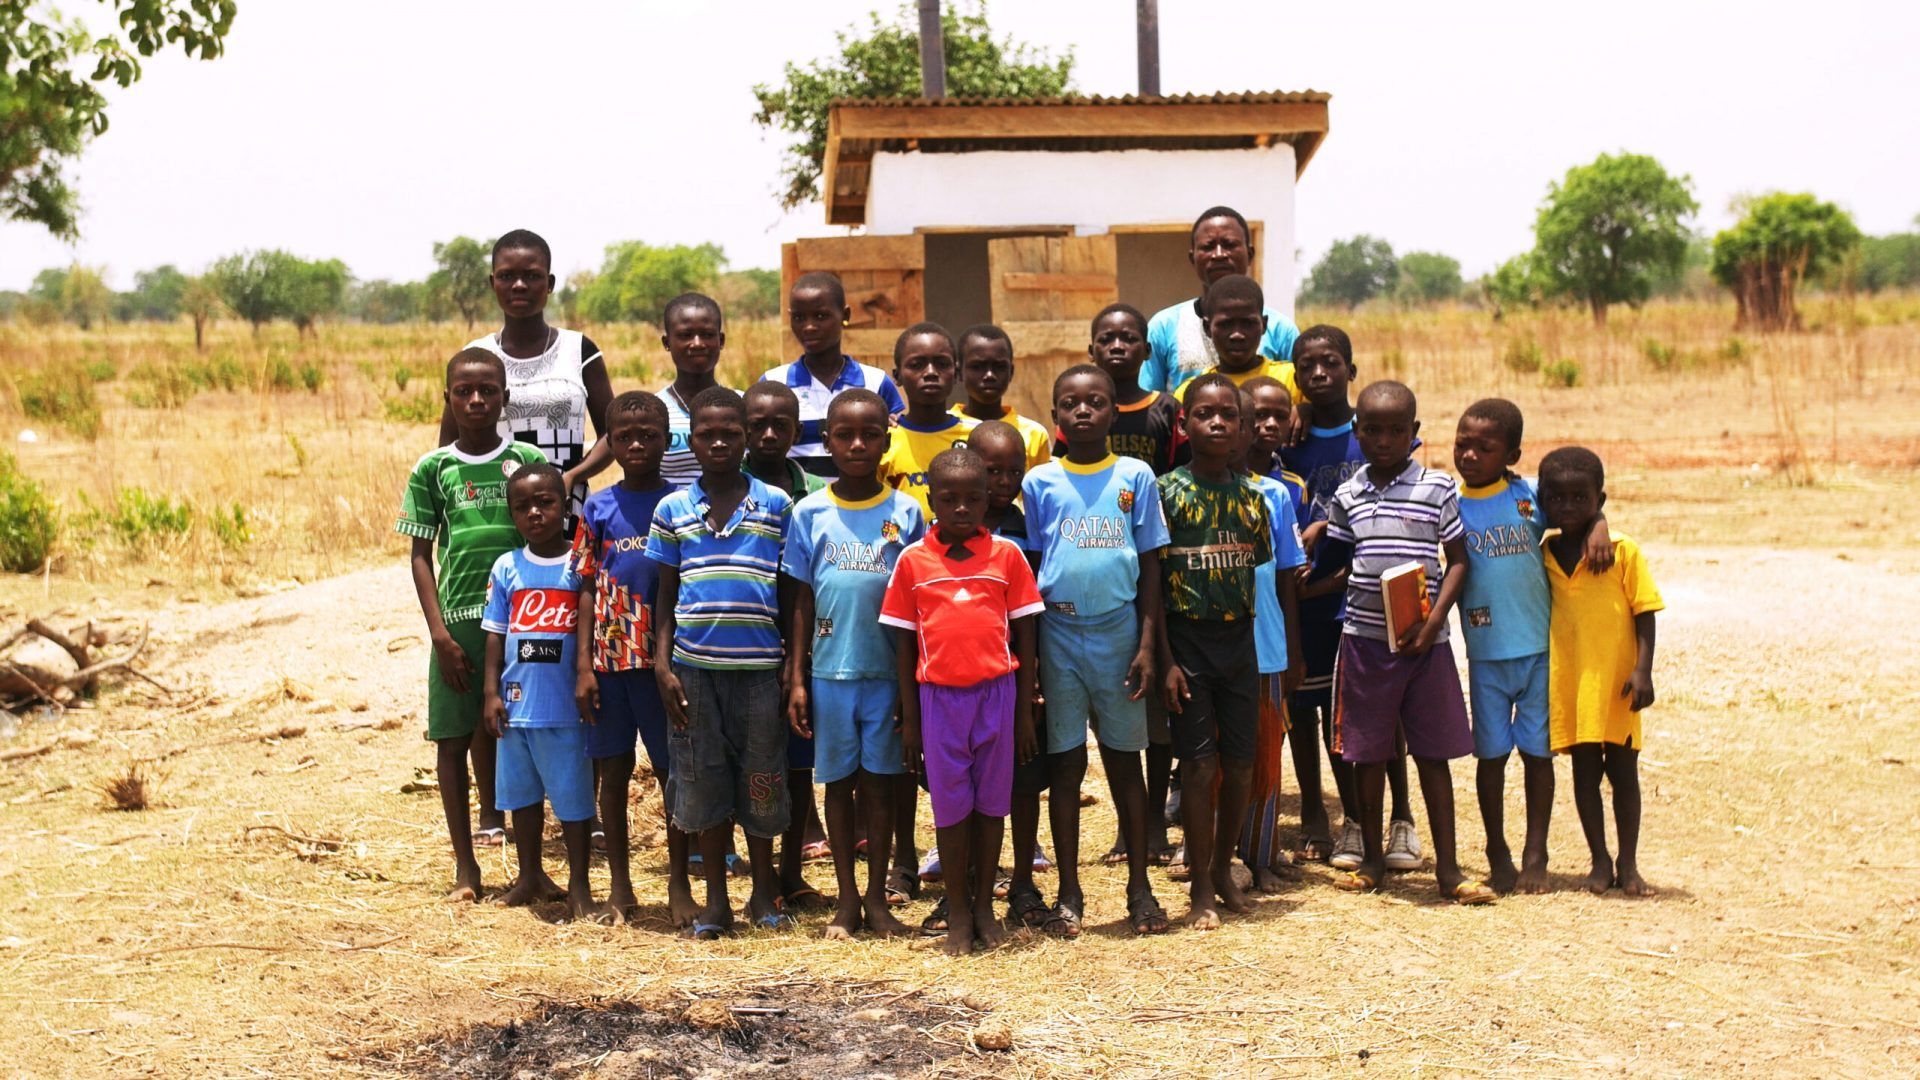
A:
490	837
804	898
778	920
1469	893
709	931
1063	921
1161	856
1358	881
1146	914
1315	849
815	851
1177	868
935	925
1026	907
1002	883
1116	855
902	887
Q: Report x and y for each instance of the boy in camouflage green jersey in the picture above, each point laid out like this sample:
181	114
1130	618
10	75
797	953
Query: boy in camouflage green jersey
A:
456	502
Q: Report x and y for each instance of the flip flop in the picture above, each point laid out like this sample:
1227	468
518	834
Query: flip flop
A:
935	925
1470	892
1315	848
1026	907
1041	864
1002	883
494	837
709	931
1160	856
804	898
737	866
902	887
1146	915
1356	881
1115	856
1062	922
816	851
778	920
598	838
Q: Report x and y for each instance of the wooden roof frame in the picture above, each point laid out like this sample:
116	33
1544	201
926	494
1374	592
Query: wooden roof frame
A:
857	129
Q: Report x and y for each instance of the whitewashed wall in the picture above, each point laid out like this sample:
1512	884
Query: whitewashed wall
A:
1092	191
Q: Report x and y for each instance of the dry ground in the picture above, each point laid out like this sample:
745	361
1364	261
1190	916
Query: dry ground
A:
189	939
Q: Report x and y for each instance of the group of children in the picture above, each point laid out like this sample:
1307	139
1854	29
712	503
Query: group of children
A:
841	577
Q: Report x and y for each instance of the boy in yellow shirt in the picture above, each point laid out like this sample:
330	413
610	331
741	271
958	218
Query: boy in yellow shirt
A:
986	373
925	364
1236	322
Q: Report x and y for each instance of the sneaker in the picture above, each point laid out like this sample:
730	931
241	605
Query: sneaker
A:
930	866
1403	847
1351	850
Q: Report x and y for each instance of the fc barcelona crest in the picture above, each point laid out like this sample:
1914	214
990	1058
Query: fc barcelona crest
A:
1525	506
889	532
1126	501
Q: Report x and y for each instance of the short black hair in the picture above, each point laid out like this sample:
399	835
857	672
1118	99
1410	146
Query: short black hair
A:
1212	212
638	402
536	471
1331	335
931	329
1573	461
718	397
1128	310
1236	287
1202	382
691	301
821	281
985	332
1262	382
1389	393
474	354
1005	433
955	460
1502	414
521	240
779	391
856	395
1084	369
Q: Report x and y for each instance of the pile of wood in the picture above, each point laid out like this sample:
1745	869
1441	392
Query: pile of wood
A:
95	653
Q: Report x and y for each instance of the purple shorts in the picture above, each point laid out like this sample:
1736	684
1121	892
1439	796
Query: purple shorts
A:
966	733
1383	701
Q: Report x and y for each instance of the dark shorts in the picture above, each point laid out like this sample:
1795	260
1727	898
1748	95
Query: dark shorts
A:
1222	664
1384	701
451	714
731	761
630	715
1319	646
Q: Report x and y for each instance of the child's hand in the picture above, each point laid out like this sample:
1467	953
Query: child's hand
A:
1599	551
1421	636
1297	425
1309	537
1026	746
494	712
911	751
456	670
586	696
797	710
1175	688
672	695
1639	688
1140	673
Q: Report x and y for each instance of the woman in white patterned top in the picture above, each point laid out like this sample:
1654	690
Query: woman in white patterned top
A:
556	379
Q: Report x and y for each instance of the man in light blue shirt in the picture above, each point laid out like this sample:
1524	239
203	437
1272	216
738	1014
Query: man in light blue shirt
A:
1221	244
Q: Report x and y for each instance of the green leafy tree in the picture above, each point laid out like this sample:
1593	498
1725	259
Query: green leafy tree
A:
386	302
313	289
1353	271
201	301
51	105
749	294
1607	228
156	294
638	279
1888	262
1428	278
1779	241
48	286
1512	284
85	298
1690	277
883	60
463	266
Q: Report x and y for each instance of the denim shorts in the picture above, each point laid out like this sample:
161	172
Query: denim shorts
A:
730	762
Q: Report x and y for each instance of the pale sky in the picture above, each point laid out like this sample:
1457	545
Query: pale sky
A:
366	130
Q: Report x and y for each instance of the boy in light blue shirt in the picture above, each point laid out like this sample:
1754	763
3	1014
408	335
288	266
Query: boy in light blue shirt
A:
840	552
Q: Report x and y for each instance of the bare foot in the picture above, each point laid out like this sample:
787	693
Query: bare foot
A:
621	902
1202	915
466	885
1266	881
959	937
1632	883
880	918
583	909
1500	872
1533	879
1229	892
1600	880
846	920
681	906
523	892
987	929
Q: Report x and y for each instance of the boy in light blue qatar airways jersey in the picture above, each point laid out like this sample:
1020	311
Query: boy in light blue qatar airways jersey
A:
844	551
1090	523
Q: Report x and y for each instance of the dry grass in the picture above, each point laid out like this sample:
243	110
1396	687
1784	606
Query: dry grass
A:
130	789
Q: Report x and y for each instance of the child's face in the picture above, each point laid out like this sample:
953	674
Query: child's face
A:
925	371
959	501
772	425
1236	327
986	369
476	395
1120	347
816	320
521	282
1213	422
1220	248
539	509
693	339
1571	501
1480	452
857	436
1272	411
1323	374
1006	463
639	441
718	439
1083	409
1386	432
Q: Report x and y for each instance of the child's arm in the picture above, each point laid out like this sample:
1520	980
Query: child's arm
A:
783	593
906	653
1300	421
492	709
1640	685
799	633
1152	615
599	395
1173	683
672	694
598	457
1420	637
586	687
456	668
1025	745
1296	672
1599	551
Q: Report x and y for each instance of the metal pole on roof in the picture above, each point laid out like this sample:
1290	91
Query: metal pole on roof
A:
1149	21
933	52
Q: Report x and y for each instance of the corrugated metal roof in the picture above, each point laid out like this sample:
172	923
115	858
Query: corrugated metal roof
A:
1250	97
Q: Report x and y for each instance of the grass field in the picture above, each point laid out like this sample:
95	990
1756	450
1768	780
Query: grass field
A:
275	910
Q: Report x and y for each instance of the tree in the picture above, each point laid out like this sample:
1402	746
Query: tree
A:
1780	241
313	289
1428	278
200	300
156	294
884	61
461	280
1606	229
85	298
386	301
49	109
1888	262
1512	284
1353	271
252	285
636	280
749	294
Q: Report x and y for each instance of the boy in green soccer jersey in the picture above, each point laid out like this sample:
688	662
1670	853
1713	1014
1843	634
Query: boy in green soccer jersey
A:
456	502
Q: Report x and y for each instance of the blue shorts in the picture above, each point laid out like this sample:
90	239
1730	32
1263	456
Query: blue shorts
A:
1509	704
630	712
1083	673
535	763
853	728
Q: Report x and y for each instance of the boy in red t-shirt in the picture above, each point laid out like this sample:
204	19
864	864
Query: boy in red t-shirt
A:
966	682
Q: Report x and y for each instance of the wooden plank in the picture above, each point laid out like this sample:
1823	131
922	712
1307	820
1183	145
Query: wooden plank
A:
844	253
789	273
1041	336
1153	227
830	169
998	230
870	346
1019	280
1043	121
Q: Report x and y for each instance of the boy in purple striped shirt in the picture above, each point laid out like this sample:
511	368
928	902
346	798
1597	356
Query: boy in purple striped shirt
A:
1391	512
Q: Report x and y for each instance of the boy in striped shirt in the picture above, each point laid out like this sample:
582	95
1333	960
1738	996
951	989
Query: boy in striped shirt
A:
718	545
1391	512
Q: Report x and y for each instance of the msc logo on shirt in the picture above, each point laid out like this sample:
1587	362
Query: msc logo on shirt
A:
539	651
